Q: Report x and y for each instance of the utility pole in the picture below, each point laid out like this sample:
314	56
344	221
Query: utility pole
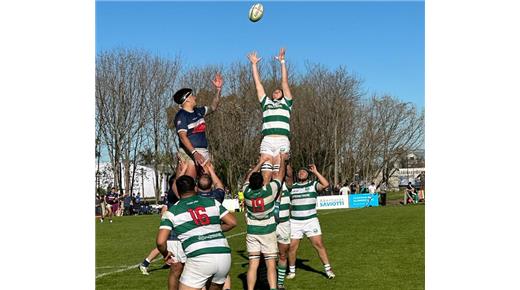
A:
335	154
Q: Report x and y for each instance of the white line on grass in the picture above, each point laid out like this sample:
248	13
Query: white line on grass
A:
110	267
136	265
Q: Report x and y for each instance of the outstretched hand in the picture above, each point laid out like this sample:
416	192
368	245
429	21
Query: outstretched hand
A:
313	168
253	58
182	167
281	55
208	167
218	82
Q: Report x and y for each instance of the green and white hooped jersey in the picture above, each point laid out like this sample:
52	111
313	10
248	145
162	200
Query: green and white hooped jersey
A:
260	208
285	203
276	116
303	200
196	220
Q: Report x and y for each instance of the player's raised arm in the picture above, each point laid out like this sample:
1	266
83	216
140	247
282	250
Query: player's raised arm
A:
254	59
281	173
182	167
285	81
214	177
217	82
322	181
289	175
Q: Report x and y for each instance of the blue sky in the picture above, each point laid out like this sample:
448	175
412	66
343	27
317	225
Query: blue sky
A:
381	42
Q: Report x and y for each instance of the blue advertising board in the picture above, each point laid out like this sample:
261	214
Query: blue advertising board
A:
363	200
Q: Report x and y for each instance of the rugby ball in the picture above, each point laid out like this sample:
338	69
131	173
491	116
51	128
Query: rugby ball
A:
256	12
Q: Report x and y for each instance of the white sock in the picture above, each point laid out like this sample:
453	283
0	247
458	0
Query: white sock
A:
327	267
292	269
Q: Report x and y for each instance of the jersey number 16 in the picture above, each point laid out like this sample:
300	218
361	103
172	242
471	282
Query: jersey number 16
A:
199	216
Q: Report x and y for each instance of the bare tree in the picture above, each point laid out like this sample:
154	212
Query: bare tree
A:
120	97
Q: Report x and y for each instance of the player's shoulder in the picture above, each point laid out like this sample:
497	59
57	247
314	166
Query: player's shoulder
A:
206	200
200	110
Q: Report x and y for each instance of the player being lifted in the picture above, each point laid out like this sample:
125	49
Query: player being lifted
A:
191	127
261	224
304	219
276	115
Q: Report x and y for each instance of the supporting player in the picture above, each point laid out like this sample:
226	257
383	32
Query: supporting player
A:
304	219
205	188
276	113
197	221
191	126
206	182
283	229
261	224
173	244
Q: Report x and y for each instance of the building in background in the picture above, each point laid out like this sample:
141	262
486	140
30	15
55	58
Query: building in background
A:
144	180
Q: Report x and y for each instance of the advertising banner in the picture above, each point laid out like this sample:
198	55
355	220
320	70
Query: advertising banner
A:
363	200
332	201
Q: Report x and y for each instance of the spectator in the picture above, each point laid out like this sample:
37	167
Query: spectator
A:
127	204
372	188
98	205
120	204
103	206
410	195
382	193
345	190
336	189
353	187
241	200
138	199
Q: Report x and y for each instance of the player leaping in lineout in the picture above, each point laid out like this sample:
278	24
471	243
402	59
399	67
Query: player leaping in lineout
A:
191	127
276	116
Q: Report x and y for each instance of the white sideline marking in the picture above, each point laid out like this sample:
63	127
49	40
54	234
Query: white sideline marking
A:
137	265
236	235
109	267
120	270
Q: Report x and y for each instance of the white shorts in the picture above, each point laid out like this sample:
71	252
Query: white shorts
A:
265	244
283	233
199	269
187	157
175	247
273	145
310	228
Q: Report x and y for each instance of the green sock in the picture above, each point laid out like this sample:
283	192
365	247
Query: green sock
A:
281	274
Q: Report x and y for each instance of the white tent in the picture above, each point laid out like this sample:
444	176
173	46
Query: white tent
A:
143	182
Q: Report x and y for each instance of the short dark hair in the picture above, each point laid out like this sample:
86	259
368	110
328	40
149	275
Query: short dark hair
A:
205	185
171	197
256	180
171	180
185	184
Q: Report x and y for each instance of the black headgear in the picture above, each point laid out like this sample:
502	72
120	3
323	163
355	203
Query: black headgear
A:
181	95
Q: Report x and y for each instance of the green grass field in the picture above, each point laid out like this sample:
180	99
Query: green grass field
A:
369	248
